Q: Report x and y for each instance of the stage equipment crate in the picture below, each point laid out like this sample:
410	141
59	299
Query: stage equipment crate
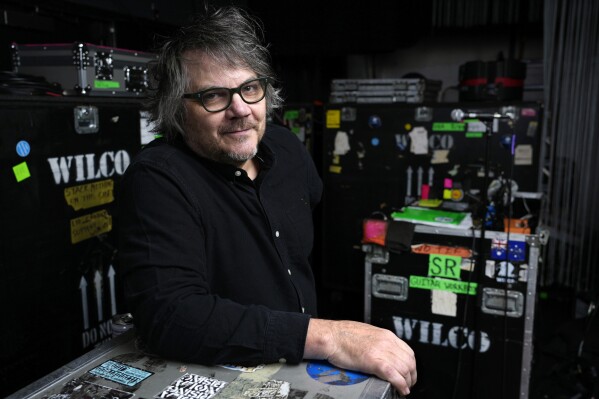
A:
86	69
120	369
464	304
62	160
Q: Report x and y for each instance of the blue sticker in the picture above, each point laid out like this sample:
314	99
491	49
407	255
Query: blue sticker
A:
326	373
120	373
23	148
375	141
374	121
516	250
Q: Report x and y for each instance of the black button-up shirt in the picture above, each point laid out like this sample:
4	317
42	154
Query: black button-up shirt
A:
216	266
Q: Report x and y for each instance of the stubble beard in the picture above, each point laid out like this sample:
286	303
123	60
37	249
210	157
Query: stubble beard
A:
217	151
237	157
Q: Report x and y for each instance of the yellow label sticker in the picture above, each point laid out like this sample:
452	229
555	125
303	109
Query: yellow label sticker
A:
91	225
21	171
408	126
89	195
444	266
335	169
333	119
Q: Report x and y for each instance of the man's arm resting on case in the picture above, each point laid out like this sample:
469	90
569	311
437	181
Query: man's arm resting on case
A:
359	346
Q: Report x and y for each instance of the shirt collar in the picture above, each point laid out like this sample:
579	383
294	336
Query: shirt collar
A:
265	156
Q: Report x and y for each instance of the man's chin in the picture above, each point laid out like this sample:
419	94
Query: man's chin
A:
238	157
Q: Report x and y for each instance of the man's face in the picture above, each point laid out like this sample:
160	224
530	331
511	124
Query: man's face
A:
230	136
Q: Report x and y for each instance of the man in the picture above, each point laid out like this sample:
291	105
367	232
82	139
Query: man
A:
216	220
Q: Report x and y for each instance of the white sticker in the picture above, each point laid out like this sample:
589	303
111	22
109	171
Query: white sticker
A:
341	143
444	303
146	127
440	156
490	268
243	369
419	141
192	386
523	154
272	389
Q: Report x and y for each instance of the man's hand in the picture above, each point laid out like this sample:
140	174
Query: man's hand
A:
362	347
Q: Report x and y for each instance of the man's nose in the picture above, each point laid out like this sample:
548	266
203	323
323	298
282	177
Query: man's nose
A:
238	106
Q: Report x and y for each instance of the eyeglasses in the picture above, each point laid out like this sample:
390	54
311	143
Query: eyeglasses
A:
219	98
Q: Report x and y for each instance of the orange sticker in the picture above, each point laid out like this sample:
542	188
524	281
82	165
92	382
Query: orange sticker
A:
441	250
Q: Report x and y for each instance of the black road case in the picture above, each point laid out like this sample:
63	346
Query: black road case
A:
469	317
61	160
379	156
119	369
85	68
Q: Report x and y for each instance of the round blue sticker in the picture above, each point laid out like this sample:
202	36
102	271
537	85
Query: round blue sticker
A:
23	148
375	141
325	372
375	121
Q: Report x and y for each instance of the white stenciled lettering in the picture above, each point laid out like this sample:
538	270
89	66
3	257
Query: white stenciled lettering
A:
88	166
404	328
121	160
80	168
438	334
60	168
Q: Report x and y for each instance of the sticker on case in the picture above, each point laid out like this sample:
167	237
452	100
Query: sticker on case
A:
23	148
192	386
21	171
120	373
326	373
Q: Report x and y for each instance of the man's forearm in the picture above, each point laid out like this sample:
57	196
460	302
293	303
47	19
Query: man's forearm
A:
359	346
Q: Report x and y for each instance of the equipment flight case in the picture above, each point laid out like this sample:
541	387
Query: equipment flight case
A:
464	305
61	162
120	368
85	68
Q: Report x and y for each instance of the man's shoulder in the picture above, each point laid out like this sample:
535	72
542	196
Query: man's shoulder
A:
159	153
280	135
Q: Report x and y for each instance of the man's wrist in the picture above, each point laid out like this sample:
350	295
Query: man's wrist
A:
318	339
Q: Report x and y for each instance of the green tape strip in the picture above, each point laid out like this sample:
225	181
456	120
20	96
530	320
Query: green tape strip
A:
474	135
291	114
106	84
444	266
449	126
431	283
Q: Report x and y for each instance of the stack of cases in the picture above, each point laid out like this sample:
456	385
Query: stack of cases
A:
62	160
384	91
86	69
469	318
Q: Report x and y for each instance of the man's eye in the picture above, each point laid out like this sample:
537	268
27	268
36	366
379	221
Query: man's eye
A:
212	96
250	88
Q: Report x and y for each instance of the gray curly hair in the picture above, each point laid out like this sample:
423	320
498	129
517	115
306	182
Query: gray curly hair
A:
231	36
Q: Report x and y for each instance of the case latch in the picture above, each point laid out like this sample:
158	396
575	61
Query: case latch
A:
86	119
390	287
499	302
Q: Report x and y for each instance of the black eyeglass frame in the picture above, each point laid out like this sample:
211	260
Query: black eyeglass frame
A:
197	96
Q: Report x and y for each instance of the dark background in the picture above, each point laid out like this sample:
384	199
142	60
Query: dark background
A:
310	45
310	40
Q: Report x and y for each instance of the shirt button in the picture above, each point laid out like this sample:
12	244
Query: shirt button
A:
282	360
277	233
303	309
289	271
237	173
